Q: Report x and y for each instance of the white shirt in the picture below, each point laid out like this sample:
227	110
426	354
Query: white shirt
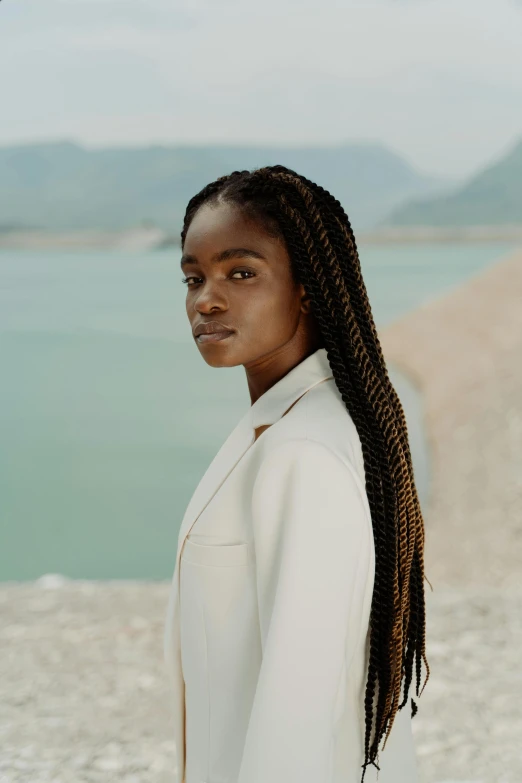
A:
266	636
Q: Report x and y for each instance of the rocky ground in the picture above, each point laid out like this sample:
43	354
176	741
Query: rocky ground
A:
83	689
84	698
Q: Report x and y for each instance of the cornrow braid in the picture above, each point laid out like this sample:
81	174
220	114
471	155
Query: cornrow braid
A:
325	259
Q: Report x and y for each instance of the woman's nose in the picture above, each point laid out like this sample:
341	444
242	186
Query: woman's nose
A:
209	298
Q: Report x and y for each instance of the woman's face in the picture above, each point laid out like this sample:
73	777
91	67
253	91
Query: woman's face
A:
239	279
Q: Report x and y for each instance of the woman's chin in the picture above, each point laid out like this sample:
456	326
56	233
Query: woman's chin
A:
219	354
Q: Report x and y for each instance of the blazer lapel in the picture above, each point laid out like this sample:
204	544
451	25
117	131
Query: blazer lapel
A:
267	409
237	443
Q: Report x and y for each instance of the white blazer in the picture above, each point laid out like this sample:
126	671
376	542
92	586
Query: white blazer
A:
266	635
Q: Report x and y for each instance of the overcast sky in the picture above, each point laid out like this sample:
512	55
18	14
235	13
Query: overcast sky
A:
438	81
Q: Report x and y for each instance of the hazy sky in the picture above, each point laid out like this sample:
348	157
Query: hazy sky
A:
439	81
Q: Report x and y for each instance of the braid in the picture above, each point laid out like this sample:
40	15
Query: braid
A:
324	258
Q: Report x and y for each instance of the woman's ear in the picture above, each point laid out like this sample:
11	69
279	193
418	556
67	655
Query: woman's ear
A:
305	299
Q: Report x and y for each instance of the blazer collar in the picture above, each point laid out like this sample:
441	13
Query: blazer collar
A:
267	409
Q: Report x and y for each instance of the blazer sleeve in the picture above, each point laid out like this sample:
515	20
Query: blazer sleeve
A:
312	535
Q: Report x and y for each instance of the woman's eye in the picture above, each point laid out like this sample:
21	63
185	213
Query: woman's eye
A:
186	280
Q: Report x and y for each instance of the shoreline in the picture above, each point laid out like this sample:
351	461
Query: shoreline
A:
153	238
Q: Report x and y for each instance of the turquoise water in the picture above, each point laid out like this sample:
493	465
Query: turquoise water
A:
108	414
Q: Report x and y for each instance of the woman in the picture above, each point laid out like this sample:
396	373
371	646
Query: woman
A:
297	604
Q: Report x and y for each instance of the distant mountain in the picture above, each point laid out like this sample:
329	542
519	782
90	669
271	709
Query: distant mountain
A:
62	186
491	197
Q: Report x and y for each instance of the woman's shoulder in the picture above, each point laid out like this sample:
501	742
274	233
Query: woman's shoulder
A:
310	465
319	422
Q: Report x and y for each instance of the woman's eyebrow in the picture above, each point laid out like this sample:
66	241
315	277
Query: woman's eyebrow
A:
225	255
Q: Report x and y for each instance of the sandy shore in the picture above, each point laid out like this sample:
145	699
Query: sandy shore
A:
132	240
83	693
464	351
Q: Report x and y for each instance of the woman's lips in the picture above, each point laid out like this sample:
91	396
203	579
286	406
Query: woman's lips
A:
213	338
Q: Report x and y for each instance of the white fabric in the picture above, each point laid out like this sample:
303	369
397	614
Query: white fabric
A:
266	635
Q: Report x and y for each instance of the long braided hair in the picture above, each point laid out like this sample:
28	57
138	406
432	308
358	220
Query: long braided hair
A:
324	258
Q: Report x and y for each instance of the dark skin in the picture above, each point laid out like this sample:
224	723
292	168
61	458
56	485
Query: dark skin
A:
254	294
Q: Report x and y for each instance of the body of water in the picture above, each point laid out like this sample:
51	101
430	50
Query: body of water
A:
109	416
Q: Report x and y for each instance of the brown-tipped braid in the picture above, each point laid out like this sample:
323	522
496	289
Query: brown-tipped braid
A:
324	258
